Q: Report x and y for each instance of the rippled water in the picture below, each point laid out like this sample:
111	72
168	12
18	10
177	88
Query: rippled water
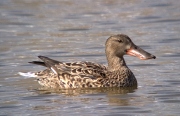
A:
77	30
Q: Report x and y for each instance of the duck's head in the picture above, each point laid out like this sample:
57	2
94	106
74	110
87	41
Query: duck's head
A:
119	45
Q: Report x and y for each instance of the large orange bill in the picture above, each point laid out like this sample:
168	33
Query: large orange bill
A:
140	53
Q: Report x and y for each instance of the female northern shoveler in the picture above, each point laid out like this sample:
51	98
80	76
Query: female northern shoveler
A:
88	74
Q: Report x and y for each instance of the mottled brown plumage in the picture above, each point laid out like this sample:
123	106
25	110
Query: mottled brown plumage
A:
88	74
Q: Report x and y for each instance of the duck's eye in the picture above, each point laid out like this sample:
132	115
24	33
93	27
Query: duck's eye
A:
120	41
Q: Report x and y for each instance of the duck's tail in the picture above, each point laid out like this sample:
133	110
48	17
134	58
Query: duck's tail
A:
27	74
47	62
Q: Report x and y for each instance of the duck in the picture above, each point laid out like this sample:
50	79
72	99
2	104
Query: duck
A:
84	74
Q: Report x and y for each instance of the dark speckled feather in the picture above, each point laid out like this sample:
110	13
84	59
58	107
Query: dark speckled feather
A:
71	75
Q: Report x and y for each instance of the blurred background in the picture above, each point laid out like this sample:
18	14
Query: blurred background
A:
76	30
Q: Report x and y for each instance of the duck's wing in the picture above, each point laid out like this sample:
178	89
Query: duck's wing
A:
81	69
87	69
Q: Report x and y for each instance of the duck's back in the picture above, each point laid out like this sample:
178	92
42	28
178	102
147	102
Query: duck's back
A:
71	75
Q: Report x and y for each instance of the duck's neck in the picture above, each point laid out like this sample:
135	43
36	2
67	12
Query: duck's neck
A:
116	63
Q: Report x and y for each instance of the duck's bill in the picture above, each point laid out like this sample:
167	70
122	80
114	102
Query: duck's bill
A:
140	53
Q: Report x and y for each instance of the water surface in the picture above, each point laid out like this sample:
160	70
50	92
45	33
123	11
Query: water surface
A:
76	31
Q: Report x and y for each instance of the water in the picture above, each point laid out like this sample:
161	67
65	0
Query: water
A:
77	30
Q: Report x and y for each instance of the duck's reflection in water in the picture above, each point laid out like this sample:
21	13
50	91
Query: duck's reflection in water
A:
112	96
